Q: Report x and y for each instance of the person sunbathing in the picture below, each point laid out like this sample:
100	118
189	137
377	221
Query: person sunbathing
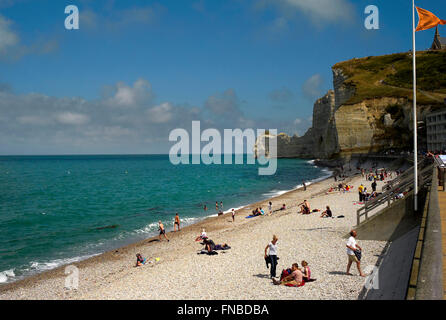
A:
327	213
295	279
306	272
140	260
304	207
202	236
209	245
256	212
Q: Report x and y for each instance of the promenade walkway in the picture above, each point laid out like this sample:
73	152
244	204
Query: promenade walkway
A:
442	203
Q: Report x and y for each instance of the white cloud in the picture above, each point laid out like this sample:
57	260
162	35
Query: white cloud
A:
161	113
319	12
8	38
225	103
113	18
37	123
11	47
326	10
312	88
34	120
72	118
297	121
281	95
127	96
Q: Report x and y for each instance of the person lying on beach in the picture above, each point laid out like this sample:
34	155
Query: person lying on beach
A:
327	213
202	236
162	230
140	260
209	245
295	279
256	212
283	207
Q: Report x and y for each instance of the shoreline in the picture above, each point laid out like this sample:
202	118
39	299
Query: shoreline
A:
210	223
134	242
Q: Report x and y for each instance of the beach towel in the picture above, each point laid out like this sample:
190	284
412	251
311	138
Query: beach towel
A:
204	251
293	285
220	247
251	216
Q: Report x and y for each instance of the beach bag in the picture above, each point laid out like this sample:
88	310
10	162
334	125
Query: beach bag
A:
285	273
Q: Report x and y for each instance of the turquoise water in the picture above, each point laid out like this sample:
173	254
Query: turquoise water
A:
59	209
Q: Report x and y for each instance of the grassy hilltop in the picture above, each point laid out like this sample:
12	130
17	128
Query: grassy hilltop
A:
391	76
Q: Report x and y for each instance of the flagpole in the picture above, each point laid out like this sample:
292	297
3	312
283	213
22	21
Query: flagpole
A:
415	123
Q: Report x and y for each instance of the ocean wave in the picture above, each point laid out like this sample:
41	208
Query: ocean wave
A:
7	276
150	228
275	193
35	267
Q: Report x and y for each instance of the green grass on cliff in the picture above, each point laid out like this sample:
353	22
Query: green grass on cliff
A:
391	76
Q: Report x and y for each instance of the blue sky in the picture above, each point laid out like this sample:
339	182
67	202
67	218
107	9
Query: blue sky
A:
137	69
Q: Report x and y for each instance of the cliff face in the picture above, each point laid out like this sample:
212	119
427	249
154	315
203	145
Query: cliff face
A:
370	108
320	141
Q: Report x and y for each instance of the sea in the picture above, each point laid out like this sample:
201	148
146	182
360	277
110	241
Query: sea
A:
56	210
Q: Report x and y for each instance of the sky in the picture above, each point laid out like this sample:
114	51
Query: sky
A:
135	70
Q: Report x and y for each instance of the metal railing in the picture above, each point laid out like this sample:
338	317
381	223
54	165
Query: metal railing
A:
408	173
392	190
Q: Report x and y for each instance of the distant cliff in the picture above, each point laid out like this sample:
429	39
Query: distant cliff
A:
370	108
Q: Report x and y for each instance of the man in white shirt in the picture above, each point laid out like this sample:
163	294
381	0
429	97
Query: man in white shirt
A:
352	246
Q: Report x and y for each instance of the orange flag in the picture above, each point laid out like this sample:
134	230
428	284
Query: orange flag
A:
427	20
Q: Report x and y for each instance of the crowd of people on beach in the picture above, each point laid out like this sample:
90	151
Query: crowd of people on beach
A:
296	275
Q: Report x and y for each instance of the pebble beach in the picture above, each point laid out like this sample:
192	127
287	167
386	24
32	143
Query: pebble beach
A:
239	273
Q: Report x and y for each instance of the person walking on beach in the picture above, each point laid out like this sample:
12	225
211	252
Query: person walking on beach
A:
374	185
305	186
216	206
272	247
176	223
162	230
270	208
233	215
353	252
